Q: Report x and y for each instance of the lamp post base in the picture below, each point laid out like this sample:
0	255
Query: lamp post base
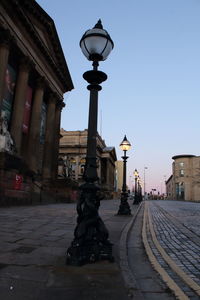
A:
88	252
136	200
90	242
124	208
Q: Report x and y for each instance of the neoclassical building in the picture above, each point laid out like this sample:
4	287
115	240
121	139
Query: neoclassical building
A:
72	154
33	78
119	175
184	183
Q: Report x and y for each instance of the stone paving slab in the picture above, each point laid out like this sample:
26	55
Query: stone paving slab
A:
34	241
33	246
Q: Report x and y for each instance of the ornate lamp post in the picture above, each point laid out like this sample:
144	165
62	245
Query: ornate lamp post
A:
145	168
91	242
124	208
139	190
136	174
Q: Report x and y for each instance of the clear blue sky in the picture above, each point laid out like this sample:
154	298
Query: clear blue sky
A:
153	89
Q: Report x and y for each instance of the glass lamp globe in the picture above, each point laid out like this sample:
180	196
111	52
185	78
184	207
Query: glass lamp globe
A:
136	173
96	44
125	144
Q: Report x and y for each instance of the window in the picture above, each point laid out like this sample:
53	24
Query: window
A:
180	190
181	164
181	173
73	163
82	164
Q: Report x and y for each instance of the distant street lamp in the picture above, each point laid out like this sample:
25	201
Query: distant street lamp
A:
136	174
91	242
153	190
124	208
145	168
130	183
139	190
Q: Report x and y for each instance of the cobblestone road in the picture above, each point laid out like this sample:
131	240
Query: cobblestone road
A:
188	213
176	225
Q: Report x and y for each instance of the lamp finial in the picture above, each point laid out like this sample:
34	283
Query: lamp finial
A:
99	25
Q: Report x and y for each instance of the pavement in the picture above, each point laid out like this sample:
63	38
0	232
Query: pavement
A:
34	240
145	283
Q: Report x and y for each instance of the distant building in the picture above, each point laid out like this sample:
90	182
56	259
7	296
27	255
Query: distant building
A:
119	175
184	184
72	157
169	188
33	78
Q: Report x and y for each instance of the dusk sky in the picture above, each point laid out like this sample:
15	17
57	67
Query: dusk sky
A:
152	93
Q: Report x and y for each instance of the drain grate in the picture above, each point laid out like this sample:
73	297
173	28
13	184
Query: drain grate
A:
24	249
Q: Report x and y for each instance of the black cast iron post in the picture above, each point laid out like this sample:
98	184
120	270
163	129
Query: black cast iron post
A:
124	208
91	241
139	191
136	187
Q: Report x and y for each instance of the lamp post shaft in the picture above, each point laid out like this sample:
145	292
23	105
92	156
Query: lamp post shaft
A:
124	172
90	242
136	199
91	164
135	185
124	208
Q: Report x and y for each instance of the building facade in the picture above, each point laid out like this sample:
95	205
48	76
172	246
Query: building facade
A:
72	157
119	175
169	188
33	78
184	184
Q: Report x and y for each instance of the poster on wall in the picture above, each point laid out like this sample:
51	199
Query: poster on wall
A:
43	123
18	182
10	82
27	110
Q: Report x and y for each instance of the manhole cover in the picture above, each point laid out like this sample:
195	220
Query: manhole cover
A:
24	249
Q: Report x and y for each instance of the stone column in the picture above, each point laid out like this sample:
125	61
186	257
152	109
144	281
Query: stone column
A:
99	169
108	173
35	124
77	159
4	53
59	108
19	103
49	139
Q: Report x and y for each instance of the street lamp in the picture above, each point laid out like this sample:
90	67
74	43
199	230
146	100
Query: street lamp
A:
130	183
136	174
124	208
145	168
91	242
139	190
